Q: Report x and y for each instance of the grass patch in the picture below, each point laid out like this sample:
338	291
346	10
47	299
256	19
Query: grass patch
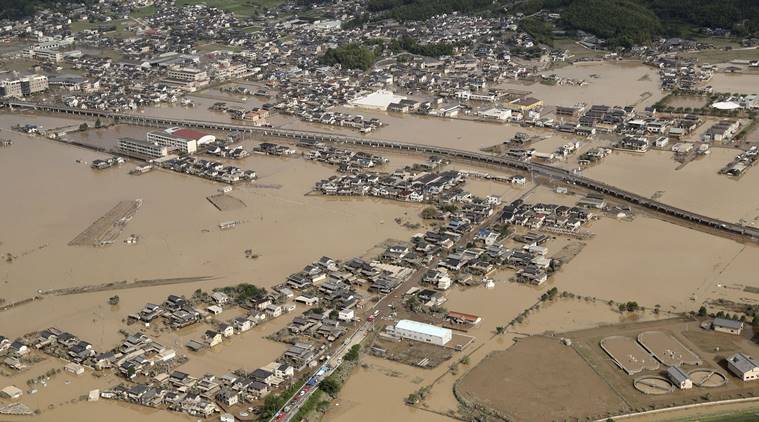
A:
745	416
722	56
575	49
78	26
209	47
238	7
143	13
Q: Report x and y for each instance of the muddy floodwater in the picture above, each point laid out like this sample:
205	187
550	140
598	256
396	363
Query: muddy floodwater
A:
621	84
741	83
178	228
696	187
50	195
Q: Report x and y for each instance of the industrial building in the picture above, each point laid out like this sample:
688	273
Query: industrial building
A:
425	333
142	149
182	140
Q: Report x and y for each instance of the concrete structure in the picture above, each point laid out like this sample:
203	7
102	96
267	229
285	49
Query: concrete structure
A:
142	149
729	326
54	44
679	378
425	333
743	366
187	75
183	140
524	104
11	392
23	87
74	368
46	55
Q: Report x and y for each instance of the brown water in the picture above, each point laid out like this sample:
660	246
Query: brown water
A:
735	83
51	198
616	84
655	263
178	228
696	187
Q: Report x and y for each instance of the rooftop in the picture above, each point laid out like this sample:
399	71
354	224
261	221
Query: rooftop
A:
727	323
420	327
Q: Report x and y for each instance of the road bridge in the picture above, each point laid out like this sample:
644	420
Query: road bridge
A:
539	169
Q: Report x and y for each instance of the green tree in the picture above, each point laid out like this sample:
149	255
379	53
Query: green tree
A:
98	123
330	385
353	353
349	56
429	213
702	311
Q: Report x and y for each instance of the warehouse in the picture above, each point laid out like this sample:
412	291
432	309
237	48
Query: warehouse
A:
420	331
378	100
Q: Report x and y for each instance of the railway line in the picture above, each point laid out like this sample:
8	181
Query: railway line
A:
537	169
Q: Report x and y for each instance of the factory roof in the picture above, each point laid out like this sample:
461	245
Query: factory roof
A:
420	327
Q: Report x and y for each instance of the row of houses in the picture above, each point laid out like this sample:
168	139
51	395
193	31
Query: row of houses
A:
207	169
402	185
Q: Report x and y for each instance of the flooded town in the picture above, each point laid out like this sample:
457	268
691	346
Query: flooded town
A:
379	210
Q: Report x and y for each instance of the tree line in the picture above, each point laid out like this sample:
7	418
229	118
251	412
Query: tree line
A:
627	22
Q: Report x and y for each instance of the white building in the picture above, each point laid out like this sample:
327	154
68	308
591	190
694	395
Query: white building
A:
444	282
54	44
496	113
23	87
183	140
425	333
187	75
467	95
346	315
46	55
743	366
138	147
378	100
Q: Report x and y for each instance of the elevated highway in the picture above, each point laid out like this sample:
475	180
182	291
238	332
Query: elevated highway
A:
538	169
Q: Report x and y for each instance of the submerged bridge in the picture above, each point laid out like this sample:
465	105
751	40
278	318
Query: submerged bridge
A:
724	227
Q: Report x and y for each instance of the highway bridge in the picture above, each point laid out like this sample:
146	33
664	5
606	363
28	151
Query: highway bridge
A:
536	169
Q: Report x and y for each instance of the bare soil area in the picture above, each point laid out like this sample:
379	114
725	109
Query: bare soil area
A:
551	380
556	382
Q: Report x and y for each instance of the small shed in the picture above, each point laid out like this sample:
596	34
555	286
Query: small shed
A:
679	378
